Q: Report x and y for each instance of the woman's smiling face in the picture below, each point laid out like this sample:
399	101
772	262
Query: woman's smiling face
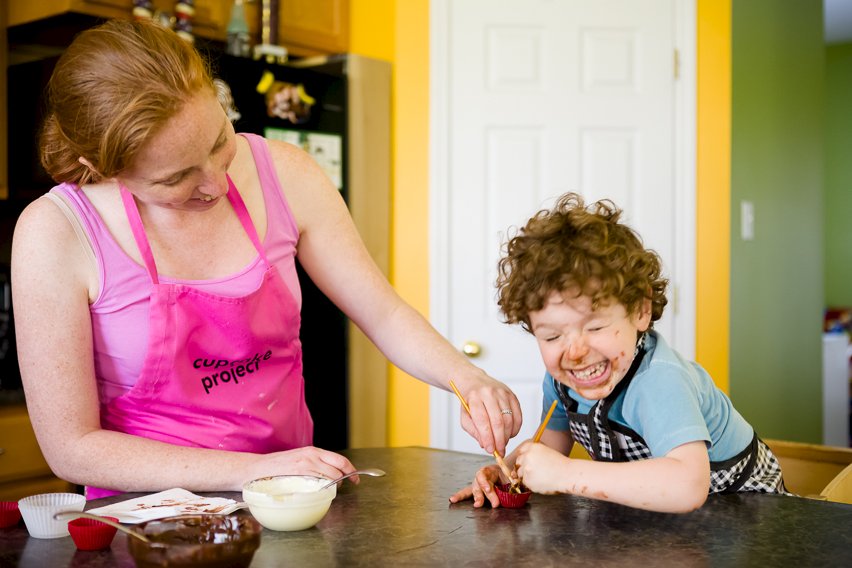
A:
183	166
587	349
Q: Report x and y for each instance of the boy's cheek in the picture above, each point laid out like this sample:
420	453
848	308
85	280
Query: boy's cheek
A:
551	356
553	369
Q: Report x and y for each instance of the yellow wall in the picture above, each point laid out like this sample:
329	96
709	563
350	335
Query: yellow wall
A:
408	399
713	177
371	28
398	31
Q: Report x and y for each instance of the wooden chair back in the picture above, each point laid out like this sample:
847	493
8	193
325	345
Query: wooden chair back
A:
809	468
839	489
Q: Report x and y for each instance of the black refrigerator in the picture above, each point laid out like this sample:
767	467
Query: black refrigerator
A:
306	106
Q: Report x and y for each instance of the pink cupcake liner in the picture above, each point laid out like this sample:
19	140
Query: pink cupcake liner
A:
10	515
91	534
511	500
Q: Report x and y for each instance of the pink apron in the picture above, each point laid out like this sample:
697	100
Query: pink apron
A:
220	372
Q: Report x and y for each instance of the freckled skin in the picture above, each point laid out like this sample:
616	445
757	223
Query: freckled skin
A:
574	336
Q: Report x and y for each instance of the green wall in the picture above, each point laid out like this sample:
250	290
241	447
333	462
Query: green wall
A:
838	175
778	60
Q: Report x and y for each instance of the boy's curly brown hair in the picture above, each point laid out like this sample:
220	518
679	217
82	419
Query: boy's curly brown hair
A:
572	247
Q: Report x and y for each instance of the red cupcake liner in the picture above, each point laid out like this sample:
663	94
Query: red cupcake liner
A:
91	534
10	515
511	500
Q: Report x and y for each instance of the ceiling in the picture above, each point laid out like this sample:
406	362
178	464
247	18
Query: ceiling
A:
838	21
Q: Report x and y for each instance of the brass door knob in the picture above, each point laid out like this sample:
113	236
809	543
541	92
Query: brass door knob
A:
471	349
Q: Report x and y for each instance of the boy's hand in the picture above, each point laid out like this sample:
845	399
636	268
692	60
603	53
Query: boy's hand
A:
541	468
482	488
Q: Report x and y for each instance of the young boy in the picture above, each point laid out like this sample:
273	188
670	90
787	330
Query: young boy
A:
661	435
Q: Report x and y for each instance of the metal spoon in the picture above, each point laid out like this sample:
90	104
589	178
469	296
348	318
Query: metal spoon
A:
70	515
375	472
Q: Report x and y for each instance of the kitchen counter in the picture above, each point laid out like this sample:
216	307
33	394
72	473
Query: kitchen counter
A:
405	519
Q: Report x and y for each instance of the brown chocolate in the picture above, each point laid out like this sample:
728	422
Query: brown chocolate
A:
209	541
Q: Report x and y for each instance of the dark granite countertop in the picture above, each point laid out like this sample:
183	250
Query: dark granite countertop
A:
405	519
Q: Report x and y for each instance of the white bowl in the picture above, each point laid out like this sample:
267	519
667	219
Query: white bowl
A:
288	502
38	511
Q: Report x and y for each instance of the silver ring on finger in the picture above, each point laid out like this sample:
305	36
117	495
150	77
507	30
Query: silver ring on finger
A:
505	411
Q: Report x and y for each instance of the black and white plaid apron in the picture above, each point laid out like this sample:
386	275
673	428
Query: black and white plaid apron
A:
754	469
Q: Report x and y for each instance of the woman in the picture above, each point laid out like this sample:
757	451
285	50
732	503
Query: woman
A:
155	289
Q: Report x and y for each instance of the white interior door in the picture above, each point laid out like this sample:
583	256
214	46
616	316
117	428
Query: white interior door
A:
532	99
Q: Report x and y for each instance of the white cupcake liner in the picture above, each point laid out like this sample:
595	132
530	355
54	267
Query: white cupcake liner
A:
38	511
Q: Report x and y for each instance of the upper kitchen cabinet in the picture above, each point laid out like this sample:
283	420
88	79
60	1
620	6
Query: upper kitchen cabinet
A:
320	26
307	27
210	19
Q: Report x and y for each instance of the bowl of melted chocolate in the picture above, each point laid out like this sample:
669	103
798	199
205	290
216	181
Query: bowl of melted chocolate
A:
209	541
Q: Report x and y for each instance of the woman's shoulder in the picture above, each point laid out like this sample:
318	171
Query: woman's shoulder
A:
282	155
292	158
308	190
42	218
45	242
294	167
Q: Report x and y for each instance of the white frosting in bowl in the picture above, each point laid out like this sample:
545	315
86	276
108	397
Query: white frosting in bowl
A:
288	502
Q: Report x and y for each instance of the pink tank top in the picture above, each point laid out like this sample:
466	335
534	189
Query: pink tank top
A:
120	314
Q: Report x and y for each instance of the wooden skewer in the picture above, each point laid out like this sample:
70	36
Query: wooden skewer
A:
543	424
503	467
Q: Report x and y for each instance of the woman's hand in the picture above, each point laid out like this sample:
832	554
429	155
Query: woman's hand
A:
495	413
482	488
302	461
